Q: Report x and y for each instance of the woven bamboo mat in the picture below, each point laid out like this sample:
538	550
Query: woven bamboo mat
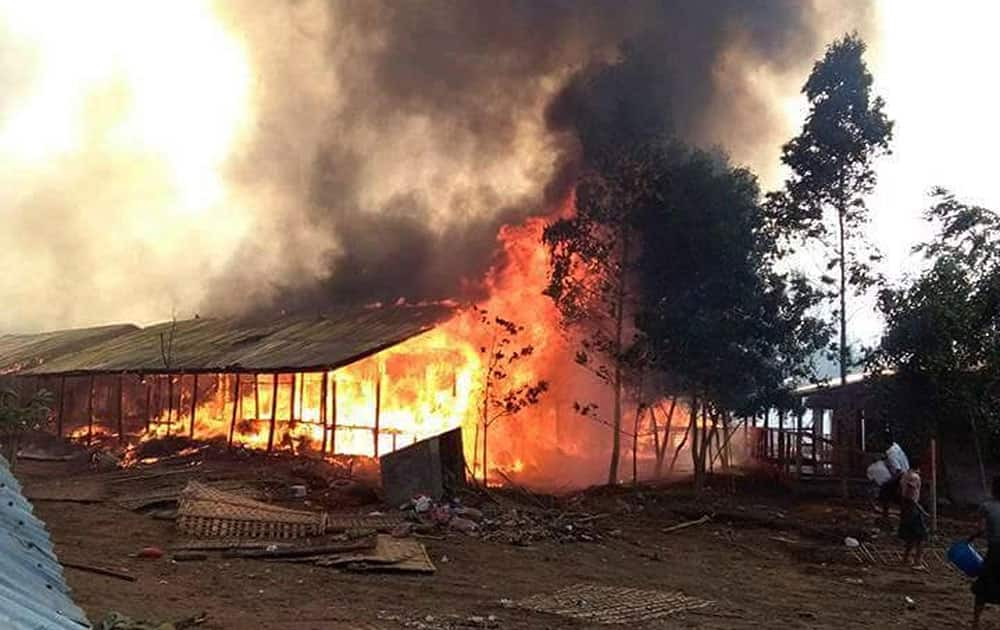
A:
390	554
206	512
611	605
171	494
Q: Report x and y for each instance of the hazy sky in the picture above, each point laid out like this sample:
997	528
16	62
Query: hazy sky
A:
129	173
934	64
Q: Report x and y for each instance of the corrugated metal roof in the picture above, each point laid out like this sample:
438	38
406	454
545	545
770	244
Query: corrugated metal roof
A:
33	592
23	352
229	345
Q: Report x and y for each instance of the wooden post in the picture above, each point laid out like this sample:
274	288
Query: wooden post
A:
333	415
256	397
302	392
121	405
323	409
378	405
934	502
291	398
90	411
194	405
274	412
798	444
149	402
62	405
236	404
170	402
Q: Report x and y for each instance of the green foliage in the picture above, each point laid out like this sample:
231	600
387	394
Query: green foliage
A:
18	417
832	170
716	313
942	332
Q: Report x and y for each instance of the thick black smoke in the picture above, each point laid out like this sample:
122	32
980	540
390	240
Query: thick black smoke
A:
394	138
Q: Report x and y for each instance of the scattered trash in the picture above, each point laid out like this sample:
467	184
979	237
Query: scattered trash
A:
121	575
851	543
150	552
189	556
680	526
297	491
463	525
910	602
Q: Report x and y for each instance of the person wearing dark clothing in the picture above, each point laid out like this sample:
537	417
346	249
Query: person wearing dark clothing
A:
986	588
912	517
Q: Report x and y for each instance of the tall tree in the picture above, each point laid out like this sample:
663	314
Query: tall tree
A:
831	162
592	274
730	329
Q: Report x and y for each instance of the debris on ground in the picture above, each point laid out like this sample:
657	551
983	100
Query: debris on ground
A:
118	621
610	604
432	467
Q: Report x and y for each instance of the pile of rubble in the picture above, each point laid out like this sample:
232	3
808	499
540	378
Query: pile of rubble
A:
513	525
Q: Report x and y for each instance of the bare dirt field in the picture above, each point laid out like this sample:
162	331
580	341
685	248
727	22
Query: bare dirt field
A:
765	560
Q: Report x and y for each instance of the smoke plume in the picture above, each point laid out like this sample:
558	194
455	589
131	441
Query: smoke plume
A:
375	146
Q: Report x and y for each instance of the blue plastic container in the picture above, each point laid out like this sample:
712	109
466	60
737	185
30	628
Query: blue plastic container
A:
965	558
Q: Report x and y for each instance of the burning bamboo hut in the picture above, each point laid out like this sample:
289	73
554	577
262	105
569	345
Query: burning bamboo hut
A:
362	381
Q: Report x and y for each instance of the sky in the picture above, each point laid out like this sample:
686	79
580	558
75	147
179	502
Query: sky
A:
933	65
169	218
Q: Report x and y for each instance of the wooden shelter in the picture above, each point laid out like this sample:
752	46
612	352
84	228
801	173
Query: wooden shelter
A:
123	381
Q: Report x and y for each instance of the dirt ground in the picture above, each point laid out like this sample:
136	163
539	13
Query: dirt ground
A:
757	574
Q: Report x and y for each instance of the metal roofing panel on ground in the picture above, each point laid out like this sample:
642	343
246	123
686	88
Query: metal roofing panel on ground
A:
33	592
223	345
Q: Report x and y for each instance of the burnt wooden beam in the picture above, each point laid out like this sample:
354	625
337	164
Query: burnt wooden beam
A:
378	406
323	408
194	405
333	415
121	412
291	399
62	405
274	413
256	396
90	410
149	403
237	399
170	403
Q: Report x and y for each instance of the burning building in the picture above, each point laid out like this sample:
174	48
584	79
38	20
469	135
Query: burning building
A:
359	382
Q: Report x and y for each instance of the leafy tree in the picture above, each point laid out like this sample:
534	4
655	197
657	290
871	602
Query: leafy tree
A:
942	333
831	163
592	275
729	329
503	395
17	418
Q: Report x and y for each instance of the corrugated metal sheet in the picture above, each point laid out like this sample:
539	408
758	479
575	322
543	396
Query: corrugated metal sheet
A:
23	352
227	345
33	592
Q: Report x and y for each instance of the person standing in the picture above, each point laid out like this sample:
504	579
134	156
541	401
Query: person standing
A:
895	463
986	588
912	517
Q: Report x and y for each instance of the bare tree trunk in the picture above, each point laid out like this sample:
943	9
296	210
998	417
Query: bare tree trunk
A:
684	440
486	428
843	297
843	340
635	446
661	449
697	448
618	348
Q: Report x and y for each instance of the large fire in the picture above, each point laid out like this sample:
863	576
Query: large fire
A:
424	386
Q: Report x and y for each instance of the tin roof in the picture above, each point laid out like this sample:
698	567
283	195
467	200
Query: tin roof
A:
229	345
33	592
23	352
